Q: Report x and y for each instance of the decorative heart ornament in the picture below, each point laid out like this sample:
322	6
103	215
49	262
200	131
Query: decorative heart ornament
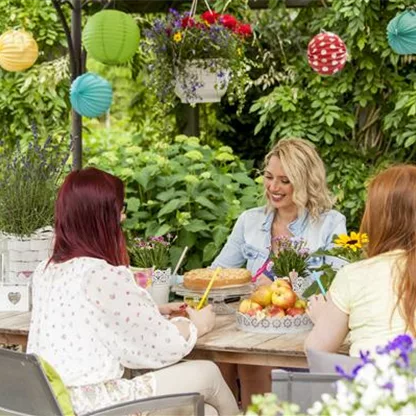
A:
14	297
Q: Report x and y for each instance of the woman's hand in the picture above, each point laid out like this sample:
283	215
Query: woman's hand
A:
263	280
316	305
204	319
171	308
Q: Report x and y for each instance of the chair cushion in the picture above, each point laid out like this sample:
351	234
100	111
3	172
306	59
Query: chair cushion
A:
58	387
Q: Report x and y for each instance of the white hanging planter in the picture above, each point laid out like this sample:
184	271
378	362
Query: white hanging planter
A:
201	82
21	255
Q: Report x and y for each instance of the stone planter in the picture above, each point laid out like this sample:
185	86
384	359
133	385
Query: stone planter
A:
201	82
21	255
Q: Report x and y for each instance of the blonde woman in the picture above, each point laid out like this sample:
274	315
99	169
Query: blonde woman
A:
375	299
298	205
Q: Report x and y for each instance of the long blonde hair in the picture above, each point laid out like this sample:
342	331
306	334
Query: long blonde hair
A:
390	222
306	172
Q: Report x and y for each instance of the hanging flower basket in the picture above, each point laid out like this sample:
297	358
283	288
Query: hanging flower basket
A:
198	57
202	82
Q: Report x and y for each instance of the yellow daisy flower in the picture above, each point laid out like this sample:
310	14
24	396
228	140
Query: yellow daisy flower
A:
354	241
177	37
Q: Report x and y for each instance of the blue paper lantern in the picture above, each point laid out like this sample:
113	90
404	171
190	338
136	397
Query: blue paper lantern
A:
401	33
91	95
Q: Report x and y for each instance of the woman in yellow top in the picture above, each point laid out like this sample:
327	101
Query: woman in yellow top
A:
375	299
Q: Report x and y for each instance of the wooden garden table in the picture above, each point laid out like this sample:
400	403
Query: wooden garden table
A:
14	328
225	343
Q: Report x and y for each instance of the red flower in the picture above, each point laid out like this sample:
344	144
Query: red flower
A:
210	16
187	22
244	30
228	21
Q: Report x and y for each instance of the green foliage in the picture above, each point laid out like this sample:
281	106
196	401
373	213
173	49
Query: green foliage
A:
192	191
361	119
269	405
28	185
38	95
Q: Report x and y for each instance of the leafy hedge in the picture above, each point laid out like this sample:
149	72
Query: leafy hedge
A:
191	190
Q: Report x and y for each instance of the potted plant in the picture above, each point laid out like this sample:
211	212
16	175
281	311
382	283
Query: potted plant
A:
198	57
347	248
149	260
28	184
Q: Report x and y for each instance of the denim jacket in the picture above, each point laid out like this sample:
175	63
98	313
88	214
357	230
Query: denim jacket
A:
250	241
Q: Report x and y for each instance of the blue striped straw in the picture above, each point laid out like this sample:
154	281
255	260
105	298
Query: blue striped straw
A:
315	276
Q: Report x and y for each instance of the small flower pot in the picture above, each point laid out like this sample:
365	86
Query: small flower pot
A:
201	82
19	256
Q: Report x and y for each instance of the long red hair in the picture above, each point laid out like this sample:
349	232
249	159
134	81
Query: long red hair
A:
390	222
87	218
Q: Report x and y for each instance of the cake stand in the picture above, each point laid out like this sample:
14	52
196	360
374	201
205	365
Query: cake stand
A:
217	296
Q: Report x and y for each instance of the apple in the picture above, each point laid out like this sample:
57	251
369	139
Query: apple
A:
301	303
247	305
284	297
262	296
278	283
275	311
295	311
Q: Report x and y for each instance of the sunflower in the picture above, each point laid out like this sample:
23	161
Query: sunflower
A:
354	241
177	37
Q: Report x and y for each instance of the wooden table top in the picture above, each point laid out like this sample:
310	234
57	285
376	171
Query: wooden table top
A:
226	343
15	323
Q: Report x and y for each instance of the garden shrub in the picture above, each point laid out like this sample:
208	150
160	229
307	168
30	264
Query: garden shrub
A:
187	189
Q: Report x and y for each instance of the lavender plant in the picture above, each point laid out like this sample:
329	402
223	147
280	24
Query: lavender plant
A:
151	252
29	178
214	40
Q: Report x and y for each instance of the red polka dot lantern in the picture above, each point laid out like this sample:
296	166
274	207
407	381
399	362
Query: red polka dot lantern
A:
327	53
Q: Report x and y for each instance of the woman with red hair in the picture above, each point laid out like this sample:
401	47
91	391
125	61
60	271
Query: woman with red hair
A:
375	299
90	319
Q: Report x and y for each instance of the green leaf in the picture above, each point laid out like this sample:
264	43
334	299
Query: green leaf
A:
210	250
133	204
172	205
220	234
196	225
205	202
164	229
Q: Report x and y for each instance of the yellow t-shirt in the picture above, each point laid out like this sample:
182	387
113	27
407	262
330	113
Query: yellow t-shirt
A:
364	290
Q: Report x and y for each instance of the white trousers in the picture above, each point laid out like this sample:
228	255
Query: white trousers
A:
202	377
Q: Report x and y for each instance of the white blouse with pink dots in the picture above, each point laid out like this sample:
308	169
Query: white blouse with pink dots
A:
90	320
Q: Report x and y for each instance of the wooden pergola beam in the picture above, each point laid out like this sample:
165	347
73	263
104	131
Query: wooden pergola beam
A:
155	6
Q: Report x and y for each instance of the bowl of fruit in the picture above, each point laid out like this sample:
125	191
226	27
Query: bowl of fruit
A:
275	308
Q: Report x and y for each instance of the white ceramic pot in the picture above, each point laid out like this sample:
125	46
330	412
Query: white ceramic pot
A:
21	255
201	82
161	286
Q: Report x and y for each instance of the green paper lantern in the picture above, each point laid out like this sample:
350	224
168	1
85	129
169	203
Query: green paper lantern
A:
111	37
401	33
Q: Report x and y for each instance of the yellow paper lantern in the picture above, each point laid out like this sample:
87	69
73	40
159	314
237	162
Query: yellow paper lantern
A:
18	50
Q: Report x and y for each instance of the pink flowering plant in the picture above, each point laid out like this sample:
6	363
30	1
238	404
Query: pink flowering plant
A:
289	257
150	252
216	41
